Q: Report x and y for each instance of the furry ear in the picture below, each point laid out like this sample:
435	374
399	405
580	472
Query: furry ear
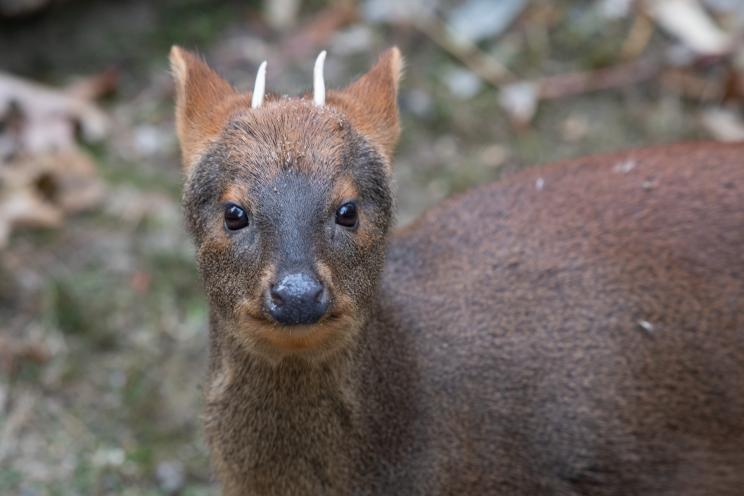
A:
204	102
371	102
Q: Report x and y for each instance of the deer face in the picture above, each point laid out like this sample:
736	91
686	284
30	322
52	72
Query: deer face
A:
289	204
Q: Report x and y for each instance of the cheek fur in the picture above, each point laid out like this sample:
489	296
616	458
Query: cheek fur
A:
357	265
230	275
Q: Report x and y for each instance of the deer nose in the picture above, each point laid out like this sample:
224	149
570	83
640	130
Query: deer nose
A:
297	298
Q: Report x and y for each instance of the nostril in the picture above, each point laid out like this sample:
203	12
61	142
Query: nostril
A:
321	294
322	301
276	297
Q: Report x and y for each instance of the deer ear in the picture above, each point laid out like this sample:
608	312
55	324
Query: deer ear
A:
204	102
371	102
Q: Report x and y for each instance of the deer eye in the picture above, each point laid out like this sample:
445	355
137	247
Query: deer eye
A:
235	217
346	215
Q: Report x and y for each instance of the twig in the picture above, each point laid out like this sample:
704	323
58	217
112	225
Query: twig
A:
640	34
483	65
15	421
617	76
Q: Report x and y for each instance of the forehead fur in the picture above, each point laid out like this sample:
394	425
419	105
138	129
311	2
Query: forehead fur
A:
259	149
288	133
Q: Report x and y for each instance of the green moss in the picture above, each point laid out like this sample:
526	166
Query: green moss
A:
175	279
10	479
81	305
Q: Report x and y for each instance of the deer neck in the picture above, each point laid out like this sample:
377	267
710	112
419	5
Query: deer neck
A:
295	421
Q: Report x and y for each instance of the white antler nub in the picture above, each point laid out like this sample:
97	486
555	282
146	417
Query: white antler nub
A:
318	81
260	88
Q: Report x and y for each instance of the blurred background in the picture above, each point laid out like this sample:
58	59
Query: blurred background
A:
102	319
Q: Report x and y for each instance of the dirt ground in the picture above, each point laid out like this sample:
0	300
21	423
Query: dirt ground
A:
110	405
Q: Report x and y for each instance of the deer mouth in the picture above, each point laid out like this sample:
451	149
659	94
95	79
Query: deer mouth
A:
332	330
327	334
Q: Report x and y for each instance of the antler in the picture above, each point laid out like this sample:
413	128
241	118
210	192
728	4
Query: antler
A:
318	81
260	88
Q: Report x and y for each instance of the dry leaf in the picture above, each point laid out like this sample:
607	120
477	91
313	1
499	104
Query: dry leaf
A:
44	174
723	124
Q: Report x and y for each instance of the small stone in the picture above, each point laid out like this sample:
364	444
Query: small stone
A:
462	83
649	184
108	457
520	101
170	475
625	166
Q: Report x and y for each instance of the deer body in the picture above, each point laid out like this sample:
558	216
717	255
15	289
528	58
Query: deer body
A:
573	329
524	313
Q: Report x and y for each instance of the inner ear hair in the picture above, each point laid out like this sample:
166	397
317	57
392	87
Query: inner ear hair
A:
371	102
204	103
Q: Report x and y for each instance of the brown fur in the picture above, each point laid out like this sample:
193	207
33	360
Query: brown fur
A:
204	101
581	337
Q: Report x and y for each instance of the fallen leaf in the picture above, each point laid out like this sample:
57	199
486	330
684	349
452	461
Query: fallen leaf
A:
723	124
44	173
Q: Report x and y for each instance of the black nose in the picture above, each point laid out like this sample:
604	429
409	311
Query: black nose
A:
297	298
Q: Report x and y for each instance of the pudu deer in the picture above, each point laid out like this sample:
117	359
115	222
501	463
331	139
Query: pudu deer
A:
573	329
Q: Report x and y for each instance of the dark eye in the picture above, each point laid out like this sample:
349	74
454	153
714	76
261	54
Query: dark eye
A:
346	215
235	217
